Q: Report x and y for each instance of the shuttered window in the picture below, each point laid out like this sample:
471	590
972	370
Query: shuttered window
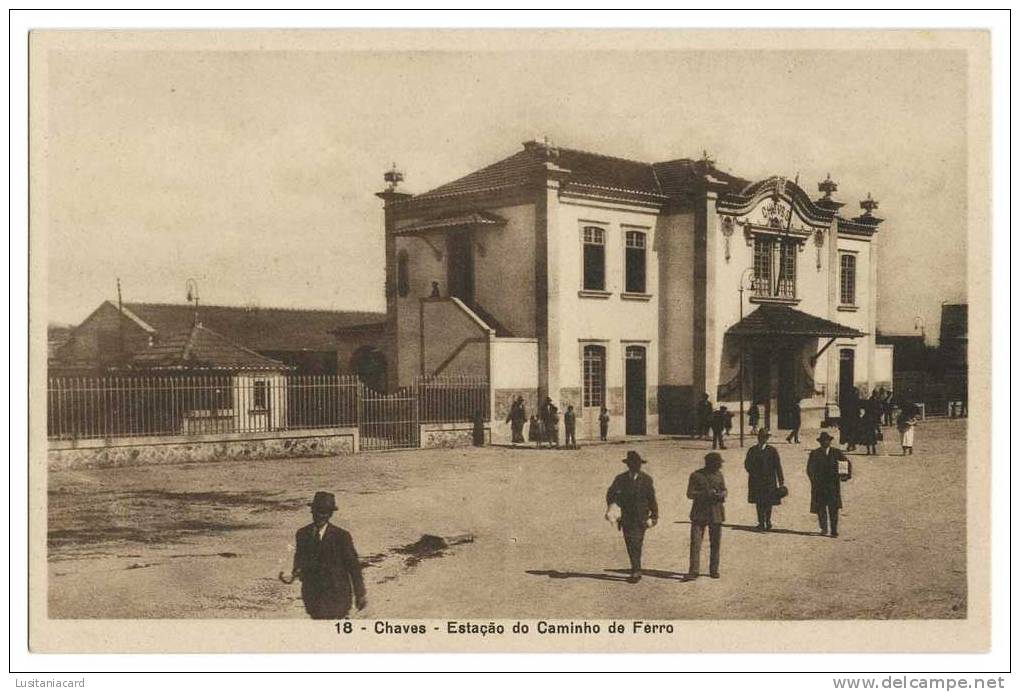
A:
594	258
636	262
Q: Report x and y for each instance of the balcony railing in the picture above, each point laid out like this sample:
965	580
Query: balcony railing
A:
761	287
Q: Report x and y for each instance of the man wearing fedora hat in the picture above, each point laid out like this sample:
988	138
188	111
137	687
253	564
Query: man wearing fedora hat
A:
764	478
327	564
634	493
825	474
707	488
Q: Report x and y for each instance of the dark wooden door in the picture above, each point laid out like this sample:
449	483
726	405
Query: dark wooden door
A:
846	373
636	390
460	267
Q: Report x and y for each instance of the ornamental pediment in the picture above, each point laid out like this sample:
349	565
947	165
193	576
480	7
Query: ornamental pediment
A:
774	205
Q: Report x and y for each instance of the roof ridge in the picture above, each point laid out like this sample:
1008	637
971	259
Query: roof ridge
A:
232	344
603	156
682	159
250	309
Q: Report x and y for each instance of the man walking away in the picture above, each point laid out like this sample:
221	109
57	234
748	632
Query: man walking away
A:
604	424
719	420
827	467
570	427
764	478
794	436
516	419
327	564
634	493
707	488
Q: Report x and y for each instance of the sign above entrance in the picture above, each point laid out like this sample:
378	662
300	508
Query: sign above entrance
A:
775	213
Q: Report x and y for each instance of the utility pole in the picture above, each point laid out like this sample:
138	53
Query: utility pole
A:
192	288
120	323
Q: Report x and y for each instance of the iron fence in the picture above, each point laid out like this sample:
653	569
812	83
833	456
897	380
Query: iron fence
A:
139	406
452	398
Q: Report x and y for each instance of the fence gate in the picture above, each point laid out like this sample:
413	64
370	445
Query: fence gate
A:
388	421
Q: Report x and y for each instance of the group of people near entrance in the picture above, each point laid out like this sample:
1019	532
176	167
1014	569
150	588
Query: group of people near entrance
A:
631	503
544	429
861	420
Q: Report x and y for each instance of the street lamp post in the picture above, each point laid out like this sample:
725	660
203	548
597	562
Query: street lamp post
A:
740	376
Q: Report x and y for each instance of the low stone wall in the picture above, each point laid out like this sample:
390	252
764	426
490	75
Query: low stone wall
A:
451	435
86	454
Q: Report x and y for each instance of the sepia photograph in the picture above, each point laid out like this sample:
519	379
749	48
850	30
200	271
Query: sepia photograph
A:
563	340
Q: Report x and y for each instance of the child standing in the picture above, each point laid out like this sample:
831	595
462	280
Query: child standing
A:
906	424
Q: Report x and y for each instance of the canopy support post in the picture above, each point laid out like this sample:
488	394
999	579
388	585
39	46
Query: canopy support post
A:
814	358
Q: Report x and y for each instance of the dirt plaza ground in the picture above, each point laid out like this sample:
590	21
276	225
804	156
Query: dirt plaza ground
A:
525	532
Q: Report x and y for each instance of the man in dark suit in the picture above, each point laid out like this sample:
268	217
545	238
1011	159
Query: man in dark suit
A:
764	476
707	488
634	493
717	422
327	564
825	474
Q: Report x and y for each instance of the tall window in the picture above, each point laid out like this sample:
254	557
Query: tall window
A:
848	279
594	376
775	267
787	270
636	262
594	259
762	265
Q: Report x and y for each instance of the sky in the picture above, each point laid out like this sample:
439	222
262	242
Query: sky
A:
254	172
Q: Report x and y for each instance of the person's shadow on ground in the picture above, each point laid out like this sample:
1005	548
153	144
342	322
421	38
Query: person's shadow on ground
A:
557	574
755	529
620	575
656	573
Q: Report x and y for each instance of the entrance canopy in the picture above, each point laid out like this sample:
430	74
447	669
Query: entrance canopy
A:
456	222
783	321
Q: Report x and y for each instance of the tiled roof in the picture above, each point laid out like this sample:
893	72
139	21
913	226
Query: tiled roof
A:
782	320
201	348
261	329
679	177
586	169
608	172
509	172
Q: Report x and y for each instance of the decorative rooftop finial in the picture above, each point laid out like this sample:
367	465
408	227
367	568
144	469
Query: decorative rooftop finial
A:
548	149
706	159
869	205
393	177
827	186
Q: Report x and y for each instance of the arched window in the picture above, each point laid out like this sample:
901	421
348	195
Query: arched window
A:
594	376
403	274
635	353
